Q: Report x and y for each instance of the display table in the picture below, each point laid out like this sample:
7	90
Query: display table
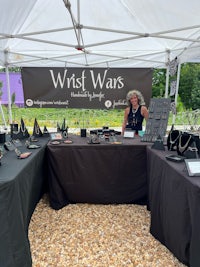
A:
103	174
97	173
22	183
174	201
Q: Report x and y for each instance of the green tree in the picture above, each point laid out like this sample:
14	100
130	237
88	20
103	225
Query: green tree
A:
158	82
189	85
12	69
1	92
195	95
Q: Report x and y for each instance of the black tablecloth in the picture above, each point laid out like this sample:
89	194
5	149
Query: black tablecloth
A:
22	182
102	173
174	201
97	173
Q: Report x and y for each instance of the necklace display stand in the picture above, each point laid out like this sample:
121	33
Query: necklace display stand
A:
172	139
45	131
36	129
185	141
22	133
63	129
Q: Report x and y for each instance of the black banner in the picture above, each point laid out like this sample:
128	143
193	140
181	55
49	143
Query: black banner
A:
98	88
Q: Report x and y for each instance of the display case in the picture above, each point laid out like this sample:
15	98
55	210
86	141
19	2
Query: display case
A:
158	119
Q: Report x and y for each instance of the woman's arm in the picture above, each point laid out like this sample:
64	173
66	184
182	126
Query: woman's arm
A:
144	112
125	119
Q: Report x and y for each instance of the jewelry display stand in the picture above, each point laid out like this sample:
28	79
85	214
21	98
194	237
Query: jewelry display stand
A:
63	129
83	130
45	131
158	144
173	138
185	141
36	129
22	133
158	119
2	137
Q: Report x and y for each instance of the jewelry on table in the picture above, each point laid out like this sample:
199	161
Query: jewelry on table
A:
37	129
173	142
181	147
23	128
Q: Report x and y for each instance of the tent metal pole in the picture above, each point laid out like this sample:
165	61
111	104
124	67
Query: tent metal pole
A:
177	87
78	15
2	114
9	97
167	83
167	74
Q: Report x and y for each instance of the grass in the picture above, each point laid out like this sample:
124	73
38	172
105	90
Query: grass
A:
84	118
74	117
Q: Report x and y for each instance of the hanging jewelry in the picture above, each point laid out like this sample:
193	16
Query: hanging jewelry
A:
23	128
134	121
37	129
172	142
181	147
64	134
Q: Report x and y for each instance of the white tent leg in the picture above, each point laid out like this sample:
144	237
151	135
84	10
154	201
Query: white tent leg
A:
167	74
167	82
2	114
177	87
9	97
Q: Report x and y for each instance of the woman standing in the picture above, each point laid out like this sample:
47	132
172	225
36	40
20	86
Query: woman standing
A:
135	113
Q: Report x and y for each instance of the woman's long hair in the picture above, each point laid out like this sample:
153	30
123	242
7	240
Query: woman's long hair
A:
139	96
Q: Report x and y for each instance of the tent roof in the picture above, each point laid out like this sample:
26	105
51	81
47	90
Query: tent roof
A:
99	33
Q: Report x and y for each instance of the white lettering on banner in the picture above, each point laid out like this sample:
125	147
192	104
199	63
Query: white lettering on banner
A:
98	79
57	81
79	82
70	81
41	103
100	96
115	83
91	96
44	103
120	102
79	94
59	102
112	83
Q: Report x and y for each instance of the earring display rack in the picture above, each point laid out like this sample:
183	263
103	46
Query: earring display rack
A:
158	119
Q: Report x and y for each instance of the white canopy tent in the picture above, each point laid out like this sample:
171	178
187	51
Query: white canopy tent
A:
99	33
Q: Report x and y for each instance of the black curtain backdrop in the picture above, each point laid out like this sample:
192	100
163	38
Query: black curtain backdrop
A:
99	88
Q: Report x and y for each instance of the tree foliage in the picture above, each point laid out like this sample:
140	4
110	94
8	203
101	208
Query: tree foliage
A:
1	93
189	86
158	82
195	95
11	69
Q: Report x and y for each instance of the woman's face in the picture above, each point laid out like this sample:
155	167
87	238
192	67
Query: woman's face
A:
134	100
